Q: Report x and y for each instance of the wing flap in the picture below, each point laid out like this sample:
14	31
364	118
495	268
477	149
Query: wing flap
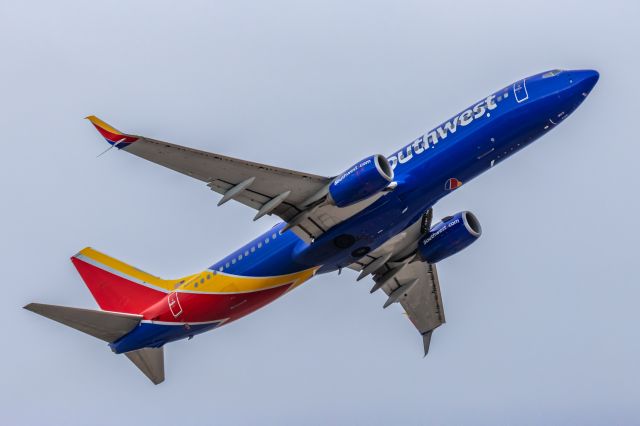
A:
423	302
417	288
412	283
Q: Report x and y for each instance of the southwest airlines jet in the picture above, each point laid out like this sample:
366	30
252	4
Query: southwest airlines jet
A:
375	218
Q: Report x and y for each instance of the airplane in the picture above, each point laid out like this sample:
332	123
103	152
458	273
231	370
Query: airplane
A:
374	218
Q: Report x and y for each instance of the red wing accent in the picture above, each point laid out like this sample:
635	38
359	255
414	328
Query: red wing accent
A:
111	134
113	138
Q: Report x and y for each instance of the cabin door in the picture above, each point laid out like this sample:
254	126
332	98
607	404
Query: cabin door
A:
174	304
520	91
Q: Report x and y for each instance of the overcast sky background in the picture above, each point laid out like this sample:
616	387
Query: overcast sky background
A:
542	312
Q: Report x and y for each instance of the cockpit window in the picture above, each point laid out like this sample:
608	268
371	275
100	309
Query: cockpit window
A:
551	73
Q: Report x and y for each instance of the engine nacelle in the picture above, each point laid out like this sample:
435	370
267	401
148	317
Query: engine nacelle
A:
449	236
363	180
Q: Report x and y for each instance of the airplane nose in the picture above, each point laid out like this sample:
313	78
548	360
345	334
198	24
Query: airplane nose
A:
586	79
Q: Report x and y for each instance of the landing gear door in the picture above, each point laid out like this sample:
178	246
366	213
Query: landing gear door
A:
520	91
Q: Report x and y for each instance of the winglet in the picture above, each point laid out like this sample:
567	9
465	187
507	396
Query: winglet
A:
112	135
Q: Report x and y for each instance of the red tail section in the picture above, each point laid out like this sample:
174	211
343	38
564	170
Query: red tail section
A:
119	287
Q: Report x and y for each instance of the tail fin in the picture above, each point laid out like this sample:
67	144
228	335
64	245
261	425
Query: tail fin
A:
107	326
117	286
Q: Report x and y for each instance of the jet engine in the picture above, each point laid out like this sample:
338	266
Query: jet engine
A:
365	179
449	236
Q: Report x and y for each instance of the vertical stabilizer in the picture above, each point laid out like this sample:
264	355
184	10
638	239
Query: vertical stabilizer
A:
117	286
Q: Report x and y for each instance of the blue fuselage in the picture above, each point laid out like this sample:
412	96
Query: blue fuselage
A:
426	170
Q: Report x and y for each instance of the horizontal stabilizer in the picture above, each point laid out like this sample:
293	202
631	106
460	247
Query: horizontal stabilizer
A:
150	361
107	326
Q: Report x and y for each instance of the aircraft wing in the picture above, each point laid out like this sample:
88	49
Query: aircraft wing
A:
295	197
412	283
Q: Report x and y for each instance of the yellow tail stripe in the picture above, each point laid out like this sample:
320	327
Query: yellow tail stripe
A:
206	281
128	269
216	282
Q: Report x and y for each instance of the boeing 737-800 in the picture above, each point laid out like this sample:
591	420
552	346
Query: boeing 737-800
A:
375	218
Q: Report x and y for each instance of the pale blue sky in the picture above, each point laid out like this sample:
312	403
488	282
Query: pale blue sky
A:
542	311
